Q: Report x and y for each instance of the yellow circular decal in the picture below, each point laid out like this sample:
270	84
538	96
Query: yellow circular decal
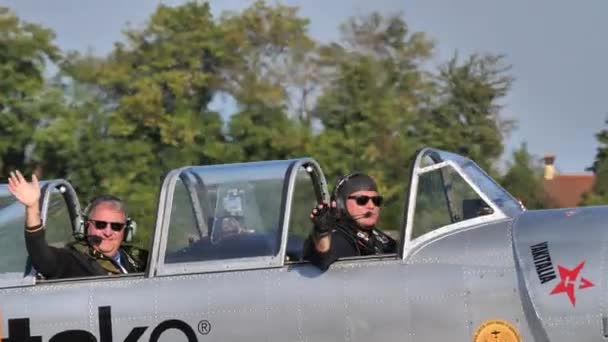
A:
496	331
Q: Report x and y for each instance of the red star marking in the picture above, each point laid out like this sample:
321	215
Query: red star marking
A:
569	280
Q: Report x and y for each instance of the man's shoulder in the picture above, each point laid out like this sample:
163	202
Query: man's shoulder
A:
344	243
138	255
388	242
78	246
86	256
134	250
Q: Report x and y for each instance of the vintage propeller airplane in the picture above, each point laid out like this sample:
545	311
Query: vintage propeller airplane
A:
226	265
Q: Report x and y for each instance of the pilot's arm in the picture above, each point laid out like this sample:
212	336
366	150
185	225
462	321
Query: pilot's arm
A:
46	259
29	195
324	221
321	250
322	244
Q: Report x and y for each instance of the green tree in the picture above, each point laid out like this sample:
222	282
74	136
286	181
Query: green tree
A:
599	194
370	102
25	50
149	111
272	45
118	123
524	179
380	105
465	115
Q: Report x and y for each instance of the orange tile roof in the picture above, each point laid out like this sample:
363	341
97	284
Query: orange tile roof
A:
566	190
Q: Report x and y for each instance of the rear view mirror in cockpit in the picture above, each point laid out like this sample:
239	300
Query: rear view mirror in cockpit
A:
229	217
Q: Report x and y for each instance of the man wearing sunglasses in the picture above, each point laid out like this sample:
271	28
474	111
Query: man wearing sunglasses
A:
347	226
99	252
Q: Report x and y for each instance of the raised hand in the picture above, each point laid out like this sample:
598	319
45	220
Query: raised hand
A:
27	193
324	217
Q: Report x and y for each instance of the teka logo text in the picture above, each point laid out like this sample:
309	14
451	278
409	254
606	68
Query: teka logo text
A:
19	330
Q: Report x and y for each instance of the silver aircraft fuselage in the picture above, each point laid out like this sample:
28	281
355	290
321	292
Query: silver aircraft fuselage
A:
481	268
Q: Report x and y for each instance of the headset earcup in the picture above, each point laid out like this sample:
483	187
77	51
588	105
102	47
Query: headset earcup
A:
336	198
130	230
341	205
80	231
340	201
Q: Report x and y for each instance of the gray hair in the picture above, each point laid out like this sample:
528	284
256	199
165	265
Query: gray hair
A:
113	201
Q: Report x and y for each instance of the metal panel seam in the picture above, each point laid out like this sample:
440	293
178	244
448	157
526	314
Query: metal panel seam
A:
530	313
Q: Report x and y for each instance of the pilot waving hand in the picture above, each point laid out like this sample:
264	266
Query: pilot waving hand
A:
100	251
347	226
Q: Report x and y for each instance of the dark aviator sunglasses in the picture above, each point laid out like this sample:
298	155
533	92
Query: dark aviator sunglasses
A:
363	199
115	226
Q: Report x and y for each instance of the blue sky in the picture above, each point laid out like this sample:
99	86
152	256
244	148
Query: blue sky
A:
559	63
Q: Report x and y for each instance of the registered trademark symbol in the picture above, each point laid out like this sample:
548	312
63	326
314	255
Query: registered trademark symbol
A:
204	327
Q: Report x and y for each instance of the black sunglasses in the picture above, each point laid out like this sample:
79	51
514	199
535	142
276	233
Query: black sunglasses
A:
116	226
363	199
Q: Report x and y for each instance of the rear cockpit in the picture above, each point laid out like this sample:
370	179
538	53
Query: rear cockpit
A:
235	212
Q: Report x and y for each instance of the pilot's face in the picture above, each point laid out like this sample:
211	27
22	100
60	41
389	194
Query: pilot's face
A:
104	220
361	207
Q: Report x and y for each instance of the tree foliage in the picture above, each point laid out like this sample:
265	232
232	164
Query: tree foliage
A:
465	118
25	99
371	101
524	179
271	44
118	123
599	194
152	114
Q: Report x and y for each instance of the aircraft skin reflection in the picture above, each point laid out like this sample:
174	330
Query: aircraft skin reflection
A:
470	257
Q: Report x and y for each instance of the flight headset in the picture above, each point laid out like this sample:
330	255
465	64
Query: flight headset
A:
81	229
340	204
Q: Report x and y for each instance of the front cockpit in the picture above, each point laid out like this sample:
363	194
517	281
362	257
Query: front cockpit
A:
448	192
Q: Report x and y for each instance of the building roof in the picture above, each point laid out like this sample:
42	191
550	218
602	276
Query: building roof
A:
566	190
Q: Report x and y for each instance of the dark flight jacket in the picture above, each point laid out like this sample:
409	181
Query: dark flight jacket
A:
349	242
78	259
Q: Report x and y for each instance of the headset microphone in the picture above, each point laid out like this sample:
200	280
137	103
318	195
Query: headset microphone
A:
94	240
367	214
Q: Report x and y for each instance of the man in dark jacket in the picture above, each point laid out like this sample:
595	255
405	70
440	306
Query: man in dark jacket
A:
347	226
99	252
